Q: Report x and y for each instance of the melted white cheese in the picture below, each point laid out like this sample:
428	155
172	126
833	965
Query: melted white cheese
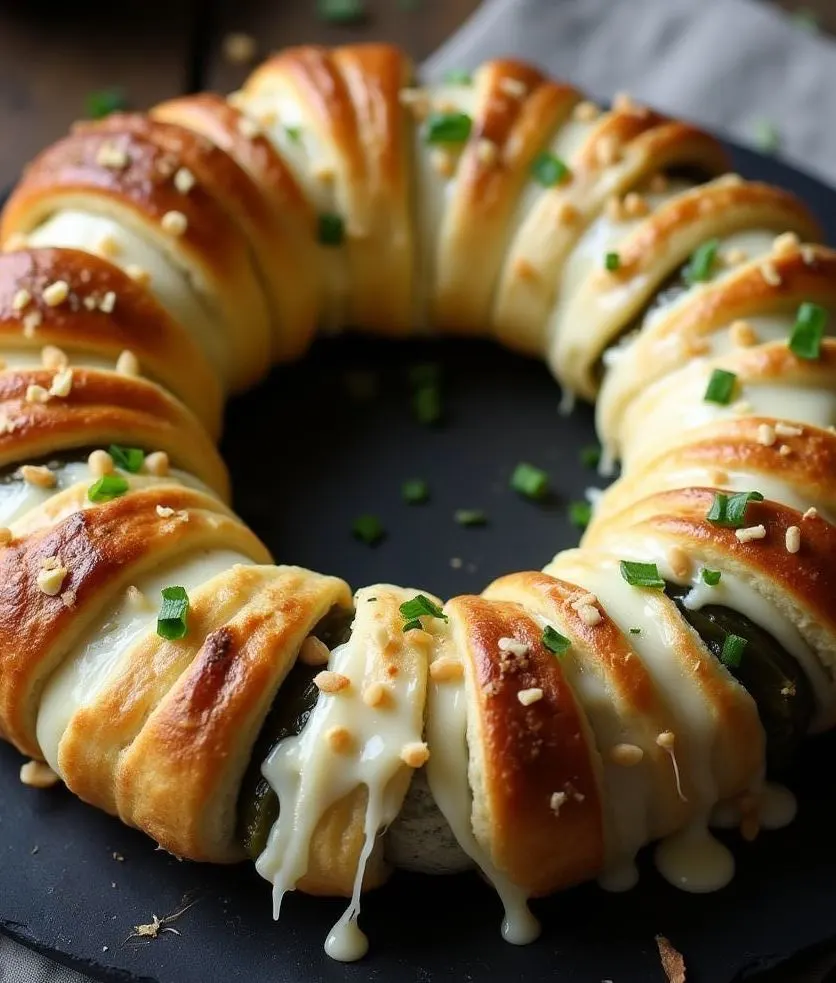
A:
90	663
309	775
447	773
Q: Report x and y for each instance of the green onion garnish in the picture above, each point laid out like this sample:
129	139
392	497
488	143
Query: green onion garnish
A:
174	611
641	574
530	481
591	456
555	642
342	11
701	264
458	76
368	529
425	380
549	170
415	491
470	517
711	577
635	631
729	511
104	102
448	127
106	488
720	387
612	261
808	331
732	653
331	230
294	133
127	458
767	136
420	606
580	514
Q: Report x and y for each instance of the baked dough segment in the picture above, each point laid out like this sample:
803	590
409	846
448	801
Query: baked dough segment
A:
102	550
799	586
605	302
687	330
623	705
770	379
79	174
189	715
351	154
522	756
719	743
516	111
623	150
87	325
291	259
731	454
100	409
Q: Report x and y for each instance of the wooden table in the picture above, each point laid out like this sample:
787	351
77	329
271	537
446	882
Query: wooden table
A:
52	55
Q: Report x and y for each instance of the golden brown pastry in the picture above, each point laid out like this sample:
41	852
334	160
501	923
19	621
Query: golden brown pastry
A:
640	688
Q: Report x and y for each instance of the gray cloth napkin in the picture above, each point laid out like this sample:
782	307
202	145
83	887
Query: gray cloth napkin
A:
740	67
737	66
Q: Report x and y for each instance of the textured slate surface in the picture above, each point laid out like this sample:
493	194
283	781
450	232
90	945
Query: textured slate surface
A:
306	460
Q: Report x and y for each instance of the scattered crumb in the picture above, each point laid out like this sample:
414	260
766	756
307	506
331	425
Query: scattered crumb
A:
117	856
157	926
672	962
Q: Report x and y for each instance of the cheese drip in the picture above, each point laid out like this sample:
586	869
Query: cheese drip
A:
448	779
346	747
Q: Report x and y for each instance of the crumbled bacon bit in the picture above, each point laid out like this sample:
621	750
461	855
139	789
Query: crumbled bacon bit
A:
108	302
38	475
793	539
51	576
164	511
340	739
445	669
36	394
62	383
328	681
415	754
38	774
513	646
811	513
56	293
314	652
673	965
750	533
626	755
174	223
53	358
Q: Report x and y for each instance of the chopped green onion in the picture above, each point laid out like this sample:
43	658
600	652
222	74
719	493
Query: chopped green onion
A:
448	127
720	387
294	133
420	606
767	136
331	230
368	529
549	170
470	517
104	102
732	653
612	261
106	488
342	11
127	458
591	456
580	514
172	620
635	631
415	491
808	331
530	481
729	511
701	264
641	574
555	642
711	577
426	405
458	76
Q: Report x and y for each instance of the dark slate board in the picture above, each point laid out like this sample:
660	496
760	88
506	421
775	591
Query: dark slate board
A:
305	461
